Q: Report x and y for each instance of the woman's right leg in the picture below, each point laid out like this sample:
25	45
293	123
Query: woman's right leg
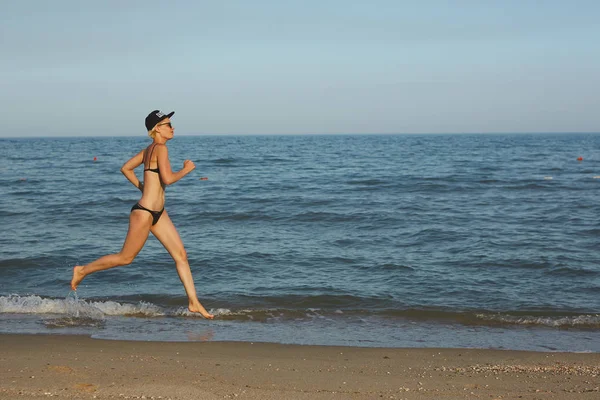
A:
140	222
165	232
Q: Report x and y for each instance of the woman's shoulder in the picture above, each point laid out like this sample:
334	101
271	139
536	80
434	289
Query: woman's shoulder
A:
154	146
160	147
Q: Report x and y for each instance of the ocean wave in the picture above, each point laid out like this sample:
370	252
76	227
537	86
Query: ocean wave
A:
396	267
16	212
573	272
509	318
489	180
583	321
586	321
72	311
368	182
71	322
239	216
530	186
273	159
81	310
224	160
73	306
104	201
17	263
595	232
321	216
24	193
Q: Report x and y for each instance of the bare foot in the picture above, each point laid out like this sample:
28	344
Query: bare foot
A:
78	276
197	308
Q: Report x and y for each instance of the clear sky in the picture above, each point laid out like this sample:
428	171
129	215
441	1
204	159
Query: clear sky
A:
73	67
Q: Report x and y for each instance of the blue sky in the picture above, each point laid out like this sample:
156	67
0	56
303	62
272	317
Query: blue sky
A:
292	67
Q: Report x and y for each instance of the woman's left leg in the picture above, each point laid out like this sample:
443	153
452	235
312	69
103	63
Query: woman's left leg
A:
165	232
139	229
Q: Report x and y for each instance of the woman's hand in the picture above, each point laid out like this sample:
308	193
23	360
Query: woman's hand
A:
189	165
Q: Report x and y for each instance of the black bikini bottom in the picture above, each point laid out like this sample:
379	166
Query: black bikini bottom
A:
155	214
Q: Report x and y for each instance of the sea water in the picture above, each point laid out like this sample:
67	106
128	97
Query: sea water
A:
488	241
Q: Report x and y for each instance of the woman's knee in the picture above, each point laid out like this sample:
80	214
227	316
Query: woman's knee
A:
126	259
180	255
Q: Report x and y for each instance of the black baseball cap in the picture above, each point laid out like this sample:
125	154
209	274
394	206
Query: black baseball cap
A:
155	117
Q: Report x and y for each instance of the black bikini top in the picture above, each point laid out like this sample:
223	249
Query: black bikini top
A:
155	170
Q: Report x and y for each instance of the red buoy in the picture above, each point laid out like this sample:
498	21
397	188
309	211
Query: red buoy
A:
579	158
95	159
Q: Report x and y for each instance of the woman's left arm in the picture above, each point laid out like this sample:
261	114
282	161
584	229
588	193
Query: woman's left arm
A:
128	169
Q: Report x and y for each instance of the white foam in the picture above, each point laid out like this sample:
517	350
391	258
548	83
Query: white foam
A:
578	321
184	312
115	308
72	306
37	305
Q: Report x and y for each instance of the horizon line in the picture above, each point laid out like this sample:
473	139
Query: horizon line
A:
317	134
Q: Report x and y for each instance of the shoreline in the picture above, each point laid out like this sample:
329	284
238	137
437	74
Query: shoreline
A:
77	366
208	338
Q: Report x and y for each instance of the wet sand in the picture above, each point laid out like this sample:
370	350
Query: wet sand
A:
77	367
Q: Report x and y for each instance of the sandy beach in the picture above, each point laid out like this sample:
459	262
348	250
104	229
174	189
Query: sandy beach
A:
78	367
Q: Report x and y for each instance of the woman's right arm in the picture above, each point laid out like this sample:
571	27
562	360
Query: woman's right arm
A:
128	169
167	176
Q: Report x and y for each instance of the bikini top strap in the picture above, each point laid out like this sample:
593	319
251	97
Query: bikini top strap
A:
149	157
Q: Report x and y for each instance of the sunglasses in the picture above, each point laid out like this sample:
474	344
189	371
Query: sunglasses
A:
167	123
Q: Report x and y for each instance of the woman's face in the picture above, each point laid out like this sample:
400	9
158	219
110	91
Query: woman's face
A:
165	128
